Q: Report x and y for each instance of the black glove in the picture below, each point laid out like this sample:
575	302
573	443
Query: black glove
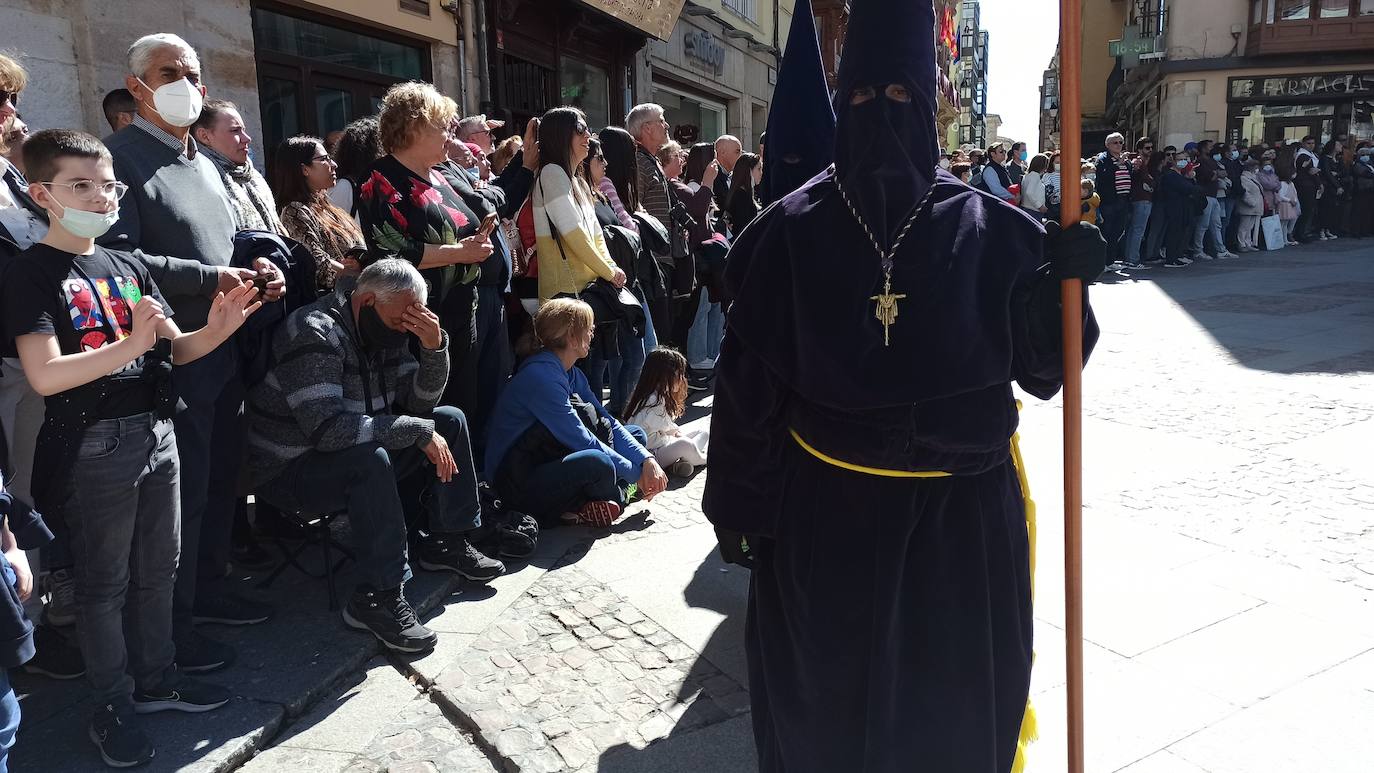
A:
734	548
1076	252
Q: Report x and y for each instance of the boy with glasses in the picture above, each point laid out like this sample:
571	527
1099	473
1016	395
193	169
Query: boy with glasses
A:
87	322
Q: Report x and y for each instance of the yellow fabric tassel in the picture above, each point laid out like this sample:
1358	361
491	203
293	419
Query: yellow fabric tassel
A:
1030	730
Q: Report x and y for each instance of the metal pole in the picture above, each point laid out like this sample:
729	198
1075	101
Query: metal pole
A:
1070	152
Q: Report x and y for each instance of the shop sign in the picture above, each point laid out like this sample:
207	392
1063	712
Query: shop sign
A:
654	17
1325	84
1136	46
705	50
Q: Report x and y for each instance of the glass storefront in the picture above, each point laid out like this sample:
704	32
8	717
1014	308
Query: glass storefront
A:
588	88
314	78
691	119
1289	107
1289	123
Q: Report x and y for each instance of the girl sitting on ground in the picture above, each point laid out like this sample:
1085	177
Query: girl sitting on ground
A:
658	401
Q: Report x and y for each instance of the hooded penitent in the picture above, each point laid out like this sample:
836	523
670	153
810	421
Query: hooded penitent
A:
801	121
868	456
885	148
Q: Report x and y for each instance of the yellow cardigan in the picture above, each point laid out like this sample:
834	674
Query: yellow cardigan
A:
579	232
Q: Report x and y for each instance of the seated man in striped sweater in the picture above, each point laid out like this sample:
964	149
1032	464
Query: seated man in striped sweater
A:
346	412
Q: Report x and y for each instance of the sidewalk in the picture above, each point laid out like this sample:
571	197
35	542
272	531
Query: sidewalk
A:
1229	583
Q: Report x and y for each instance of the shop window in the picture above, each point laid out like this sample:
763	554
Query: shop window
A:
690	119
1335	9
294	37
420	7
1367	7
587	88
1294	10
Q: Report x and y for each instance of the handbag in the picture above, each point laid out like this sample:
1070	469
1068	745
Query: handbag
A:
610	304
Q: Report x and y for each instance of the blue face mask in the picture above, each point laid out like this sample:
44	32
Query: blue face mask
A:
1216	156
1021	155
1235	155
1182	163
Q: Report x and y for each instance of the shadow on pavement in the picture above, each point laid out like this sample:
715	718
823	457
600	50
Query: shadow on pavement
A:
1305	309
714	731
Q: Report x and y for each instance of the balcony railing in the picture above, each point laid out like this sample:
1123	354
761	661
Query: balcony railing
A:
1309	26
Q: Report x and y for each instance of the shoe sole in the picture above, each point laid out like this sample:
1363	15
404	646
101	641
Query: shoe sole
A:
30	669
600	516
357	625
153	707
455	570
95	739
210	620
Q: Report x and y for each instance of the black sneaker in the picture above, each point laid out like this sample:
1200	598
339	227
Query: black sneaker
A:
121	743
453	553
230	609
1176	263
387	615
699	381
61	607
514	535
189	695
250	555
54	656
198	654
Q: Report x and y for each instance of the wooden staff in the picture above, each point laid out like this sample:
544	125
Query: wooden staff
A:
1070	151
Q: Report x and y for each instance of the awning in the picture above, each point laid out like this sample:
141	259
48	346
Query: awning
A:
653	17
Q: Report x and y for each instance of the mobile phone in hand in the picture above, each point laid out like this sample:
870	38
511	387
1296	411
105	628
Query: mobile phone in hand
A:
488	225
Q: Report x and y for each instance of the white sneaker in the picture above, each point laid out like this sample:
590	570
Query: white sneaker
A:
704	365
1227	256
1186	261
1205	256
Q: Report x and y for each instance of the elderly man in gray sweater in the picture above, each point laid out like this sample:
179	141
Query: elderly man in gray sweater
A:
348	411
177	217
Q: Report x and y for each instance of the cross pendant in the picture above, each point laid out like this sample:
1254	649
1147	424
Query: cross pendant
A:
886	308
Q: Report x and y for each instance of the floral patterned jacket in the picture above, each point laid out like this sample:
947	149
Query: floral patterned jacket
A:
402	212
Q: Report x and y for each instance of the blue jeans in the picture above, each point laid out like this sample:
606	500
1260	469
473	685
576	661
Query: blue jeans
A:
9	707
362	480
565	485
1140	216
650	336
625	371
125	524
703	341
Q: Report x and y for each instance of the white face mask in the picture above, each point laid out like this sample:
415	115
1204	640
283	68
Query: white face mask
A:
178	102
1056	167
944	163
87	225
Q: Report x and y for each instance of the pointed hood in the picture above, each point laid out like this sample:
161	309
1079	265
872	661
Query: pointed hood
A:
801	120
885	147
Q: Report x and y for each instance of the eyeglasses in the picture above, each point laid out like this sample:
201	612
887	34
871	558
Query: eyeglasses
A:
322	157
90	190
11	97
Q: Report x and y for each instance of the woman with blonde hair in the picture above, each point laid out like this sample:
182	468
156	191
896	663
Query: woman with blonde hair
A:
553	450
410	211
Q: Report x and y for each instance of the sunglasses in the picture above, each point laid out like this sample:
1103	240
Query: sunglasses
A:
582	129
11	97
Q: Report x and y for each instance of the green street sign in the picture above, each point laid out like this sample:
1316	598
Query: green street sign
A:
1130	46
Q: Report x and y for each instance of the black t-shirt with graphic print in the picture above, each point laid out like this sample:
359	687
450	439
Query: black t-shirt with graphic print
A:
87	302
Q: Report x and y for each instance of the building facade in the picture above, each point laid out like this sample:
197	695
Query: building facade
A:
972	76
299	67
1261	71
1049	105
715	73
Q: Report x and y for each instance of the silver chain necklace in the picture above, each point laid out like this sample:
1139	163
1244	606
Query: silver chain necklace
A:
885	310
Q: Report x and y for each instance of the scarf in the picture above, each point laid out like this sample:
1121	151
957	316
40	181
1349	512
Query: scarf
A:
249	196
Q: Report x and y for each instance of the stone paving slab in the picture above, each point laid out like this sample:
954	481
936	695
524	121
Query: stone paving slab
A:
572	670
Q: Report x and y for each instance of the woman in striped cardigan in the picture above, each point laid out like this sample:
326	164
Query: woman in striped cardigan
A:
577	253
